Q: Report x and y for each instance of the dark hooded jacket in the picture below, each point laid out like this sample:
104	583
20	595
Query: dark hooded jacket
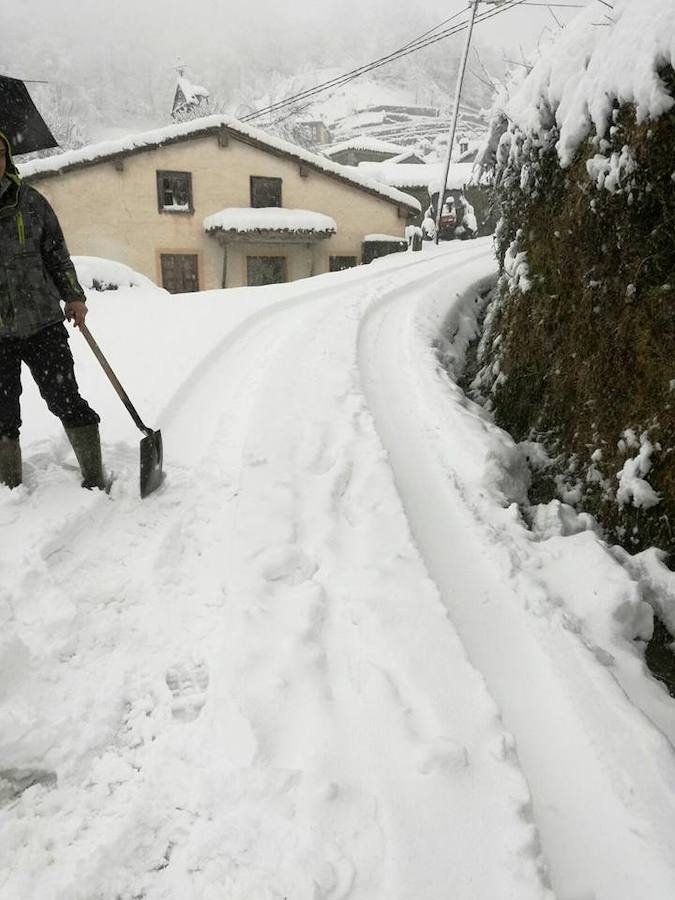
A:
36	271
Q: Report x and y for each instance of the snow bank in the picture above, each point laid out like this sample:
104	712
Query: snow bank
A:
555	623
96	273
270	219
603	56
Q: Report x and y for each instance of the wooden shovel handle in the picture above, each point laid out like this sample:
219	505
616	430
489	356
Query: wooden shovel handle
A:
124	397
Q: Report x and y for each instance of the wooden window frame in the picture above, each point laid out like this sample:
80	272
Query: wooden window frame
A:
162	173
179	252
277	182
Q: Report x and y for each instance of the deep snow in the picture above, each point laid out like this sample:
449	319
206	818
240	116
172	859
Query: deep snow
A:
327	659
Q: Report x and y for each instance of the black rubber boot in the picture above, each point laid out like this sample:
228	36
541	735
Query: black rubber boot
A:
10	463
86	443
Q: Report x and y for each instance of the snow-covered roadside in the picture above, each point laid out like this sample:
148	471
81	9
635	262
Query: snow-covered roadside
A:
255	683
245	686
548	616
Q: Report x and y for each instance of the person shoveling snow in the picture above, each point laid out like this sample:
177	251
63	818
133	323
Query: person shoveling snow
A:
40	276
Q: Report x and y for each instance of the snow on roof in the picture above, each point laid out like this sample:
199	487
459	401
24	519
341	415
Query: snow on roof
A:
192	92
600	57
365	143
407	154
244	219
411	175
359	120
147	140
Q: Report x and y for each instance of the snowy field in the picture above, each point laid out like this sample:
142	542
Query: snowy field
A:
328	658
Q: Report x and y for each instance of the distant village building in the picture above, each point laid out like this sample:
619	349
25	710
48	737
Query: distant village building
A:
408	158
465	149
418	181
214	203
187	96
362	149
407	125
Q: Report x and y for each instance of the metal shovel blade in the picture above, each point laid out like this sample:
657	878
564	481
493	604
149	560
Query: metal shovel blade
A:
151	462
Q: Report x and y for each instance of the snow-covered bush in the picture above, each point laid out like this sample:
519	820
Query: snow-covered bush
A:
98	274
581	342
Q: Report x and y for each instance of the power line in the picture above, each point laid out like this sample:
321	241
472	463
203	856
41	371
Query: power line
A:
406	50
435	28
410	47
338	80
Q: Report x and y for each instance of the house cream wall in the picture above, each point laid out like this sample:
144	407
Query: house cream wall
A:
110	209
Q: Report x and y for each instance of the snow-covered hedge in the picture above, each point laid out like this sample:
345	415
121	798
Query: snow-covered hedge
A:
581	337
603	58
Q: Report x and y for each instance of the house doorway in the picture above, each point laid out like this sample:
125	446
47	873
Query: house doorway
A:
266	270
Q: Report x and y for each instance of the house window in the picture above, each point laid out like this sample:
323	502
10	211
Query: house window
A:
265	192
174	192
338	263
265	270
180	272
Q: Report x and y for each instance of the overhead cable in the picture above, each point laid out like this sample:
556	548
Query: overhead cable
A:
406	50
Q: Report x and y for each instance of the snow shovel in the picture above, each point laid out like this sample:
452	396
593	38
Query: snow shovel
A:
151	444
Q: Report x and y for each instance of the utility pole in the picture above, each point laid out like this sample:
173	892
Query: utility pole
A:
455	112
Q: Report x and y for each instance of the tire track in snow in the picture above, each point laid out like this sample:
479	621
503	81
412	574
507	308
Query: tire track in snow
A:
603	800
334	689
306	713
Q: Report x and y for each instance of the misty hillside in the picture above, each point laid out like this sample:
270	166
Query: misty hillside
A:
104	80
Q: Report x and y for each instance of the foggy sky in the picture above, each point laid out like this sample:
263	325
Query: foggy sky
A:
167	29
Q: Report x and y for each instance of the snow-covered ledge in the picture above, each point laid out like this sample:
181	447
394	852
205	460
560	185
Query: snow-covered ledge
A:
384	239
270	223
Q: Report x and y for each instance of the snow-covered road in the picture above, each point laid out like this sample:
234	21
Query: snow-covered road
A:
327	659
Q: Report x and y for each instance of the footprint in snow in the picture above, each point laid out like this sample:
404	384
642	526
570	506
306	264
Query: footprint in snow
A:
289	565
188	683
442	755
334	881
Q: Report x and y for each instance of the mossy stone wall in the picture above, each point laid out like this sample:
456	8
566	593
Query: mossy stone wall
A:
588	351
